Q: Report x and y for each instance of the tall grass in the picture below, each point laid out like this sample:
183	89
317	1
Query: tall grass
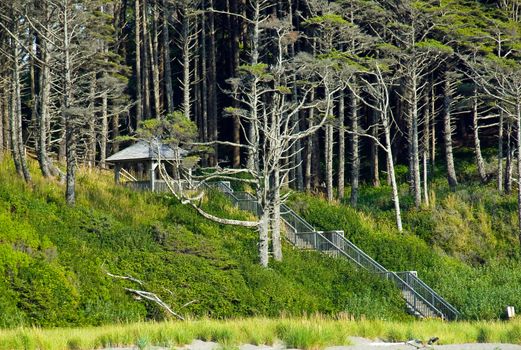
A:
305	333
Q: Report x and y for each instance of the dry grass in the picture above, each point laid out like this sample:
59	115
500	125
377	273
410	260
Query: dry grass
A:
308	333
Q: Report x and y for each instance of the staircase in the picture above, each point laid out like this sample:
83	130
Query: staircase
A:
421	300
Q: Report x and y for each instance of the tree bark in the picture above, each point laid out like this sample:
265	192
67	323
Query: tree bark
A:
212	91
154	60
508	165
433	128
390	170
139	86
146	61
309	148
204	78
341	146
235	30
13	124
447	133
2	126
518	119
70	125
6	144
104	134
275	231
186	63
44	101
412	121
91	137
18	142
355	156
477	143
500	176
328	148
169	91
425	152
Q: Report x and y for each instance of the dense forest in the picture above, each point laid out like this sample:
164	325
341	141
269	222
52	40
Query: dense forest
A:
306	94
398	122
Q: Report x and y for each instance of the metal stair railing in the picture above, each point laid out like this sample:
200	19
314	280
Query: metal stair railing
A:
417	294
434	298
323	241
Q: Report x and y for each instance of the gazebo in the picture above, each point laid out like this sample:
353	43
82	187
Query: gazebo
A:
148	155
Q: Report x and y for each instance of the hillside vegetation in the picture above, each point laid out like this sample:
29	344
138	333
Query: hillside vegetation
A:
54	259
464	244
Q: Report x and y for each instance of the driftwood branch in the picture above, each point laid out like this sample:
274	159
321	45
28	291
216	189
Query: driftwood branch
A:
148	295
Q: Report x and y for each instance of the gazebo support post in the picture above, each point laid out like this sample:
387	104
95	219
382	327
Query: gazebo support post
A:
117	173
153	166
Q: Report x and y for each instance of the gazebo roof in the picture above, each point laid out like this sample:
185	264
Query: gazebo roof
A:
142	151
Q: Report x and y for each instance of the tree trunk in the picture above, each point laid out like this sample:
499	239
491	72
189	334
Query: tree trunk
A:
169	92
264	238
104	134
204	78
186	64
355	156
275	224
13	125
235	30
433	128
154	60
18	142
425	153
115	133
2	126
477	144
375	166
447	134
500	176
212	91
518	119
390	170
341	146
44	103
91	137
70	125
139	86
146	61
328	148
309	148
508	165
412	121
6	144
255	31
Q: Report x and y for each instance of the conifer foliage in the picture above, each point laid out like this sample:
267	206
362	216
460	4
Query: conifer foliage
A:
301	94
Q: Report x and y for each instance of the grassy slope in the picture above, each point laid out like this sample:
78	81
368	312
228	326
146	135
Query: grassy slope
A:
53	261
464	244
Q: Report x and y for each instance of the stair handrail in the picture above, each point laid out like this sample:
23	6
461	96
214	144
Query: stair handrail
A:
372	262
127	175
288	210
399	282
396	279
436	298
380	269
402	284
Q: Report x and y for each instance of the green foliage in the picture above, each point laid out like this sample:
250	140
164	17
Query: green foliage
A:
327	20
462	245
173	128
54	258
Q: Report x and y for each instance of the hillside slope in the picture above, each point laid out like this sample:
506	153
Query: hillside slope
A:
54	259
464	244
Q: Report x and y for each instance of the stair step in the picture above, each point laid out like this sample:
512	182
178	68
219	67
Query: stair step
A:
334	244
